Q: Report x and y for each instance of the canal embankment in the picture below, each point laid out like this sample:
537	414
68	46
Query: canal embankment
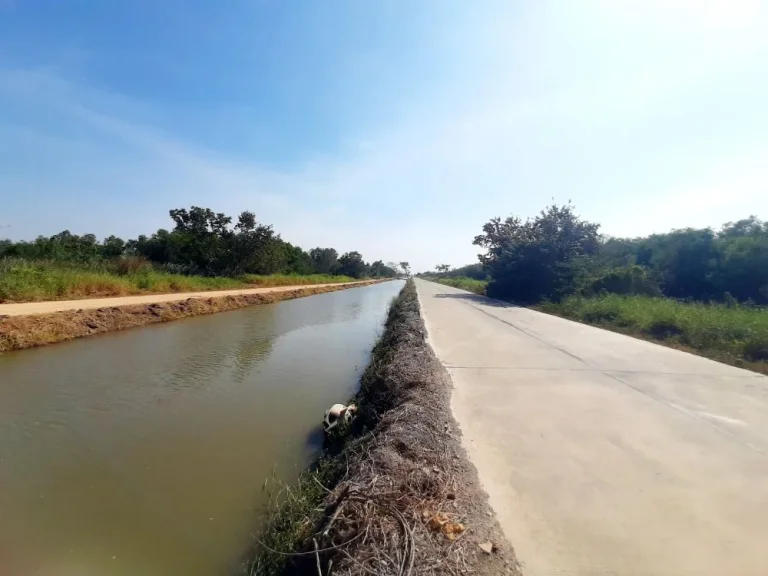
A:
23	326
143	451
394	493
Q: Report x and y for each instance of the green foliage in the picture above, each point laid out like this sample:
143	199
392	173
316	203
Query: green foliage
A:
628	280
380	270
292	516
475	271
536	259
39	280
24	281
294	279
324	260
557	254
203	244
728	332
352	264
464	283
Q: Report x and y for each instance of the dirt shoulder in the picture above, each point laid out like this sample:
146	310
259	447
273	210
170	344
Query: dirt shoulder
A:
400	496
28	308
42	323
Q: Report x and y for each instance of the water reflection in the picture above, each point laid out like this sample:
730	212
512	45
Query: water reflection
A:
141	452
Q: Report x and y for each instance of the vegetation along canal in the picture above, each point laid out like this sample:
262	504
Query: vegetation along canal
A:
145	451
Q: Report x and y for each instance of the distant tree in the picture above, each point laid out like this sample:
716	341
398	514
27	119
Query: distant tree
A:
324	260
380	270
255	248
406	267
475	271
684	259
297	261
112	247
352	264
442	268
535	259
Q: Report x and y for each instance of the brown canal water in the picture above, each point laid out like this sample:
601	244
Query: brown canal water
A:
143	452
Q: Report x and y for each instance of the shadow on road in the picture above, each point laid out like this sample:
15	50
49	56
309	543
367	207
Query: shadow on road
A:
478	299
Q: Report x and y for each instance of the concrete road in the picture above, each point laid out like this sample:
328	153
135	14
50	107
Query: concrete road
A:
603	454
27	308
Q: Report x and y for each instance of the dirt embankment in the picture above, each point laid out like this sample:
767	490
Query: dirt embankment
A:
397	495
18	332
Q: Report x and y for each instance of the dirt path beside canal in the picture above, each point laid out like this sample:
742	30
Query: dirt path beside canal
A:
28	308
40	323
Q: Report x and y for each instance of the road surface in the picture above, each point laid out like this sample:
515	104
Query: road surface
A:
603	454
27	308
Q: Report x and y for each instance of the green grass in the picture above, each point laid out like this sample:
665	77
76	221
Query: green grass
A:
468	284
30	281
295	279
291	516
730	333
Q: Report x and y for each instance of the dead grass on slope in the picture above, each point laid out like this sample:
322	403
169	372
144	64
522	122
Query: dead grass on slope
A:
404	497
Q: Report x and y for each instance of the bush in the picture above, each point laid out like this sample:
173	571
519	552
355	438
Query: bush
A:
468	284
129	265
28	281
626	280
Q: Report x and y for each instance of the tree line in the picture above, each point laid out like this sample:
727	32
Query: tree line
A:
557	253
203	242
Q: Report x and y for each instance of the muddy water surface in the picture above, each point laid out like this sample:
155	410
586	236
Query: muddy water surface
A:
144	452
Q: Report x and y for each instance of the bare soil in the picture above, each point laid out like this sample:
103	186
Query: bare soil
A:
19	332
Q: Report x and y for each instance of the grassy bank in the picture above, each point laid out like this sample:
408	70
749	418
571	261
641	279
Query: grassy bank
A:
19	332
395	492
34	281
293	279
730	333
468	284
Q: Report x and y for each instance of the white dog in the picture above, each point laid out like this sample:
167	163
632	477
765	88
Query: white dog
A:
336	414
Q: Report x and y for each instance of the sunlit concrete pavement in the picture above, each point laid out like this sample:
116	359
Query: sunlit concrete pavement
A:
603	454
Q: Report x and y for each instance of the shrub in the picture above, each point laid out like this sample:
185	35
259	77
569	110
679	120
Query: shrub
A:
626	280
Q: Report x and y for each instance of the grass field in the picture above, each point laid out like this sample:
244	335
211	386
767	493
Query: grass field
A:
23	281
734	334
468	284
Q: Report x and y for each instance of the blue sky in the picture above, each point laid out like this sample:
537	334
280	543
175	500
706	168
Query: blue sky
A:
395	128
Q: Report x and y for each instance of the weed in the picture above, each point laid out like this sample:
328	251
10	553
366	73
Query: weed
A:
464	283
30	281
728	332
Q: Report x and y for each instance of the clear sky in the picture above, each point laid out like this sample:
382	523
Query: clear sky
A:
393	127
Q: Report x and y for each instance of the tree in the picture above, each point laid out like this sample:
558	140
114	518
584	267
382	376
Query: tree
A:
112	247
536	259
442	268
475	271
684	258
324	260
204	239
352	264
406	267
297	261
380	270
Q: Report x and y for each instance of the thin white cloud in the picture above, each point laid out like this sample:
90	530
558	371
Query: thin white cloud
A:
649	115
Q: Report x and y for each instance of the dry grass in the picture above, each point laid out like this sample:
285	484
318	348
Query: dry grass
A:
18	332
35	281
730	333
400	497
464	283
